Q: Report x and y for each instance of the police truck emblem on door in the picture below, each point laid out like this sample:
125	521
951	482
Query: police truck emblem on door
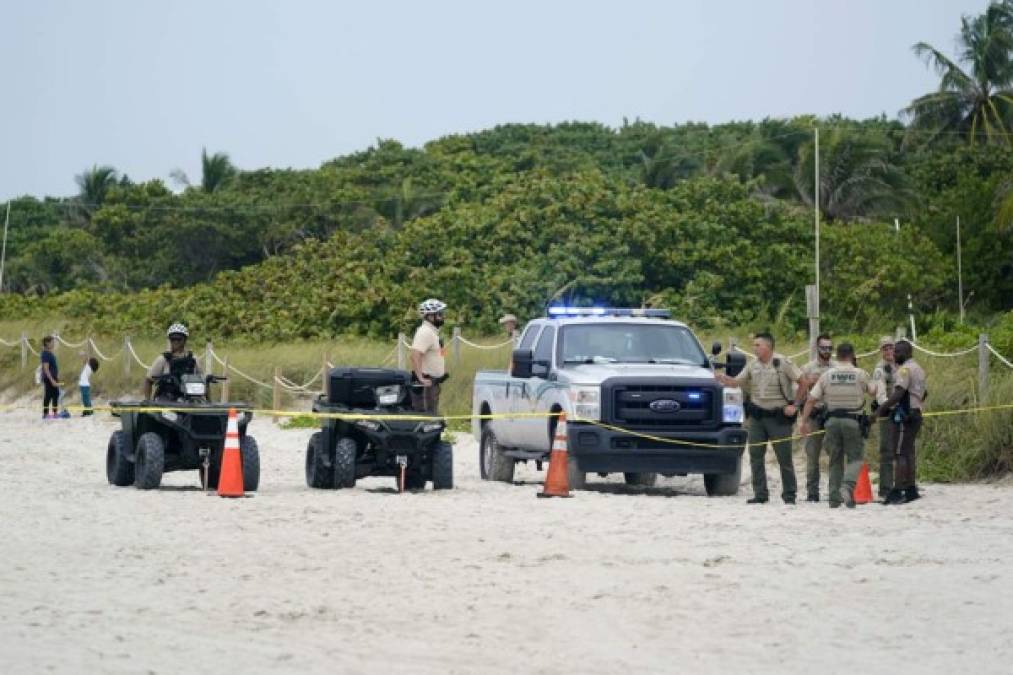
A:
665	405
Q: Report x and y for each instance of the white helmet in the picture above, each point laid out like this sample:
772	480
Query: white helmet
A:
431	306
177	329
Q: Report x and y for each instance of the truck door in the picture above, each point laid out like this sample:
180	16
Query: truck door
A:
505	399
531	396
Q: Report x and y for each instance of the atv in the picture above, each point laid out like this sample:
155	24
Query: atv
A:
180	430
367	437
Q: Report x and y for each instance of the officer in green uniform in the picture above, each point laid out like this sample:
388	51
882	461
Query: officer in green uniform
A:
811	373
904	409
772	409
842	389
884	376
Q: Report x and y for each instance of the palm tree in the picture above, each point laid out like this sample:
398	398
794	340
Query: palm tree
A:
858	178
94	183
975	100
216	170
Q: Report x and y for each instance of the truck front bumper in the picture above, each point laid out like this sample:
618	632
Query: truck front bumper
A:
600	450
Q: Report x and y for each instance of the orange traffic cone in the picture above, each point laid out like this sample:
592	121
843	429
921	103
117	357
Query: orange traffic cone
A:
556	483
863	489
230	480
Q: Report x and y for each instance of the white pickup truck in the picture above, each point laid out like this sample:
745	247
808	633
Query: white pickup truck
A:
633	384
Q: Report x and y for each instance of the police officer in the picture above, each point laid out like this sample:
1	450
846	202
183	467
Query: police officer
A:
772	410
811	373
842	389
428	362
884	376
904	410
509	323
177	334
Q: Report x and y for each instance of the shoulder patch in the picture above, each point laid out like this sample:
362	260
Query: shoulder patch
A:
903	370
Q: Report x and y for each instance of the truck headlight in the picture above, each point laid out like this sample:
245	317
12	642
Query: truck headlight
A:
586	401
388	395
733	410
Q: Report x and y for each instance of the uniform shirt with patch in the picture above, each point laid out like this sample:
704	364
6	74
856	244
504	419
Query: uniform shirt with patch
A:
161	367
815	369
883	380
427	343
768	387
912	379
843	387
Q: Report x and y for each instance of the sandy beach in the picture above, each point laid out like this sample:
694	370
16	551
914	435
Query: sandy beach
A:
485	578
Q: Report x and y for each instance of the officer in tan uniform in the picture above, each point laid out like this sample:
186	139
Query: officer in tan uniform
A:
429	368
904	410
842	389
884	376
811	373
772	409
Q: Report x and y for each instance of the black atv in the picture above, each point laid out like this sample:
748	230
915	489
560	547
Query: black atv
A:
376	442
180	430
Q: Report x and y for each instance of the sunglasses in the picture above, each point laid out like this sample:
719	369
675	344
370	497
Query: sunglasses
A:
177	339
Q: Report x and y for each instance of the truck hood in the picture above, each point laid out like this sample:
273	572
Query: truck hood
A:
598	372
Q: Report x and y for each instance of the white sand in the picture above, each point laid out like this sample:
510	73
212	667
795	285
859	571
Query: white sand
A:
486	578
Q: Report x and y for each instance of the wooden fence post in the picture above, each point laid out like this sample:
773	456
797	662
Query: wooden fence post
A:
126	356
400	351
812	310
225	384
325	381
24	350
983	367
209	364
276	393
455	347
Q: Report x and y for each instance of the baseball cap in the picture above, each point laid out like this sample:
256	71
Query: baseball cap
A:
508	317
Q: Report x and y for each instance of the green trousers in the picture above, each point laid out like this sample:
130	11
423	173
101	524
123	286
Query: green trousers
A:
762	430
845	444
885	457
813	446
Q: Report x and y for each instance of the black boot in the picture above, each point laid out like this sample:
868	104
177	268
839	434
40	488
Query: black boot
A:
895	497
757	500
911	494
813	497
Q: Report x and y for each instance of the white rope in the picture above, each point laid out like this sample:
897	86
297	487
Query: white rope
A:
477	346
63	342
406	343
795	356
229	366
94	348
28	343
10	344
932	353
136	357
998	355
735	348
289	384
862	356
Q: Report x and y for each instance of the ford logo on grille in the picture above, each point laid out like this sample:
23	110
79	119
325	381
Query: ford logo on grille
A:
665	405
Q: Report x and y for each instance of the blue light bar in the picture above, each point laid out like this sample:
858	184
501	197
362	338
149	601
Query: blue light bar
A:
609	311
577	311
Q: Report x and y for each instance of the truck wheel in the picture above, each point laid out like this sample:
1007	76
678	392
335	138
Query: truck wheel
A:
150	461
344	463
119	469
443	466
250	455
495	465
317	474
644	479
723	484
574	476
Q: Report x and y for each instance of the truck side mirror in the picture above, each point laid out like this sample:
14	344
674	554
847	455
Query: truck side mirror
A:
735	362
521	363
716	347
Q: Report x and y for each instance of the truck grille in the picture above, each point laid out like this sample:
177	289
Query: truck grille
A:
663	406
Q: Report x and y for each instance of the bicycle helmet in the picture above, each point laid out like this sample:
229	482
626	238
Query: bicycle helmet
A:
431	306
177	329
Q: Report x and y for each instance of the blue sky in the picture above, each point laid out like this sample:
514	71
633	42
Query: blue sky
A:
143	86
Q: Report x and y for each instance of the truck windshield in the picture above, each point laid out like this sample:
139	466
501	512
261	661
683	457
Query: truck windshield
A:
629	343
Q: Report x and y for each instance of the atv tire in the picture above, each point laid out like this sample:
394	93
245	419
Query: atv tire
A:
641	479
249	452
443	466
344	463
493	463
150	461
318	475
119	469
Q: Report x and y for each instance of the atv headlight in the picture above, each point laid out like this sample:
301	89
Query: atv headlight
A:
734	412
195	388
368	424
388	395
169	415
586	401
430	427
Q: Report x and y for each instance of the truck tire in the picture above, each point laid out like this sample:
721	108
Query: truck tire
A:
723	484
495	465
318	475
150	461
443	466
576	478
119	469
642	479
345	451
249	452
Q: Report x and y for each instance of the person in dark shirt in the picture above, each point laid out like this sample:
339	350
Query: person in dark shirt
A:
50	379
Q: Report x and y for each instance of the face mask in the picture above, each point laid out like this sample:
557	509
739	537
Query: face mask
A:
437	321
900	358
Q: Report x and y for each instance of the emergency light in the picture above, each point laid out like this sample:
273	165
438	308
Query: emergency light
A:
555	312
